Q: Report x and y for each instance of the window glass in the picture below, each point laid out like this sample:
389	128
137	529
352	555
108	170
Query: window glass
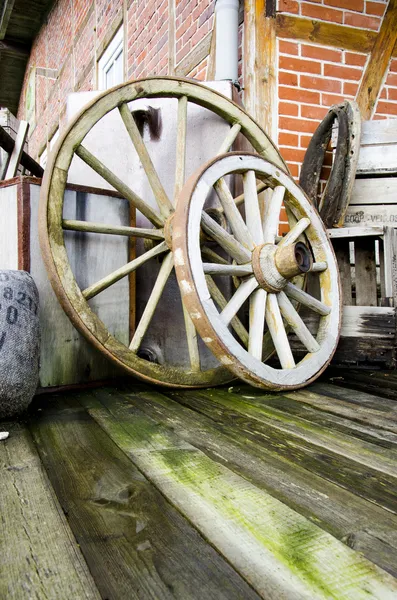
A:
111	63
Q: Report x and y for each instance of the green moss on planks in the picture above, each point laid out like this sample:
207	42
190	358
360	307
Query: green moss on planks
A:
275	549
136	544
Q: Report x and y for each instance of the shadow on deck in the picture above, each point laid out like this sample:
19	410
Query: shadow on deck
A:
135	492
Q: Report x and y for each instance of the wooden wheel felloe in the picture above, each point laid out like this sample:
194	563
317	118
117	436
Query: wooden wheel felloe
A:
266	266
158	229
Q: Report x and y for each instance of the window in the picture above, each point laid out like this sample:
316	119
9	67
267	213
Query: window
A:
111	63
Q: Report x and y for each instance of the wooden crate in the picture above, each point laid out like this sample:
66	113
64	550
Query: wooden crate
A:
66	358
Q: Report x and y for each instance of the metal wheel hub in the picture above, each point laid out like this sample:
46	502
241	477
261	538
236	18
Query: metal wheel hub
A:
274	266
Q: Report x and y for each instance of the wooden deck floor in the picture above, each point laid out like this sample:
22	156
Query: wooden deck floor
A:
139	493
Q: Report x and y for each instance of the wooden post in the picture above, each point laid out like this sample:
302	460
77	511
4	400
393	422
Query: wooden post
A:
16	154
260	56
378	63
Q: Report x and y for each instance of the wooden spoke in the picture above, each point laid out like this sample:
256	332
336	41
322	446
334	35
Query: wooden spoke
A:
257	323
297	294
164	273
192	341
238	299
252	212
233	215
294	320
180	146
295	232
229	139
162	199
259	188
233	270
221	301
89	226
319	267
224	239
276	327
214	256
121	187
271	216
109	280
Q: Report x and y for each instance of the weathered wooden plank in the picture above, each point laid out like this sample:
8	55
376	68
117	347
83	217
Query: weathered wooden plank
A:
338	468
365	272
343	514
374	382
315	409
135	543
378	64
379	132
344	445
355	397
281	553
373	189
342	253
39	557
349	232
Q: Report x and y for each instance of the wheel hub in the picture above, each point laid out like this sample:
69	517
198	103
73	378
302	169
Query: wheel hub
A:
274	266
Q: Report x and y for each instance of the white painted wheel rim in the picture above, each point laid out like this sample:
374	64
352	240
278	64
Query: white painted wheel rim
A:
197	297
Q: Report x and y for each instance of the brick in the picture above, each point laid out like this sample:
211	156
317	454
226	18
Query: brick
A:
319	53
288	139
391	79
325	173
288	47
292	154
322	13
375	8
305	141
289	6
290	63
319	83
298	125
351	58
350	89
330	99
357	5
298	95
341	72
361	21
392	93
393	65
294	170
313	112
288	108
385	94
285	78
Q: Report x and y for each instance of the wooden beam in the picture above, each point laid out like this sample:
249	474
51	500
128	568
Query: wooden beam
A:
16	154
378	63
327	34
7	143
260	87
8	5
195	56
171	37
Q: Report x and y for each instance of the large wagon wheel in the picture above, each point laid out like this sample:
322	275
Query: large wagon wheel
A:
266	266
74	300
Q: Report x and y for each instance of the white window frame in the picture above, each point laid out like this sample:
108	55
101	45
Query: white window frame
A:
109	57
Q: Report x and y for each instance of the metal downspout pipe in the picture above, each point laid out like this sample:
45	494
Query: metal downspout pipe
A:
226	31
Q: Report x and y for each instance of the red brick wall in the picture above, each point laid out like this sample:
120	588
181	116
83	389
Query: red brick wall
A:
310	77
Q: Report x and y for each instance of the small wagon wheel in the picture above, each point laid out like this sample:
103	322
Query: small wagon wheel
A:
266	265
76	301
